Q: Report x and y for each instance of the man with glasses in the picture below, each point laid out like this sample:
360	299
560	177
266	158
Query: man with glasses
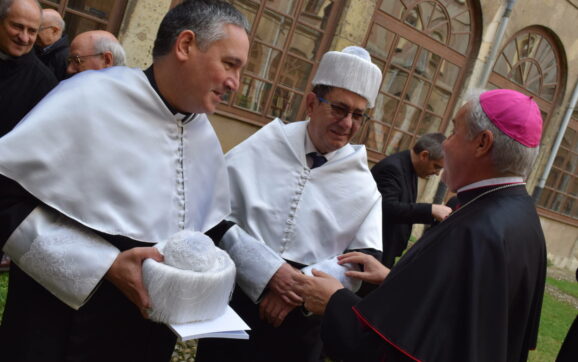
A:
307	194
95	49
396	177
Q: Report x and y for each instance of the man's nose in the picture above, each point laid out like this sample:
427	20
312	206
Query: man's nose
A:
232	82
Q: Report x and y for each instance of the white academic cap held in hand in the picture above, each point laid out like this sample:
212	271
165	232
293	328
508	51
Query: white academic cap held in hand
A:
350	69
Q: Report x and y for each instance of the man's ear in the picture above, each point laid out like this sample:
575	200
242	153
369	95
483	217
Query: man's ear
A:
424	155
484	142
108	59
310	100
185	44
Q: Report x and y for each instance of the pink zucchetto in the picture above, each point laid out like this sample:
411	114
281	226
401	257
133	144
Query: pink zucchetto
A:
515	114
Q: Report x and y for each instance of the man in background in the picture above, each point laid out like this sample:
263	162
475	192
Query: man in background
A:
24	80
396	177
93	50
52	43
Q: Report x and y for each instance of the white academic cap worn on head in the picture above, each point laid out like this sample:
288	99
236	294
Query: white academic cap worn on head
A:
350	69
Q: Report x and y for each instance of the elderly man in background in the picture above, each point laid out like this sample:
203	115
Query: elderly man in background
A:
471	288
24	80
91	183
307	194
396	178
52	44
95	49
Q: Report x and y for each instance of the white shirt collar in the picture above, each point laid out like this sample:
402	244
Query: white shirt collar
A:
492	182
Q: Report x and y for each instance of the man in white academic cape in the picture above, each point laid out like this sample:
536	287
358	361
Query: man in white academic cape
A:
108	164
307	194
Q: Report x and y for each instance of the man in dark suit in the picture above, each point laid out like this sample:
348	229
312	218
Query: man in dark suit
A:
396	178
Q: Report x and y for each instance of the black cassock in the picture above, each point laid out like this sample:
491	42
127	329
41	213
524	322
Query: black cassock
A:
469	290
24	81
58	332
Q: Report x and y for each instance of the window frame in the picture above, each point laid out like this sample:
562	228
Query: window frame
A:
229	109
424	42
112	24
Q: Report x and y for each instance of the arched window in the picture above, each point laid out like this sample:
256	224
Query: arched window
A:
423	48
531	63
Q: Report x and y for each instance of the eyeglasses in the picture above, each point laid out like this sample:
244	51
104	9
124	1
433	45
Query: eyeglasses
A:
341	112
78	58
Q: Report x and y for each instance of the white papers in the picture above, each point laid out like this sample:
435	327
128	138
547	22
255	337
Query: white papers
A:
229	325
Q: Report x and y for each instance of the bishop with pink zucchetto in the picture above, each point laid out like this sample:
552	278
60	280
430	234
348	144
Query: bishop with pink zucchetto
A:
471	288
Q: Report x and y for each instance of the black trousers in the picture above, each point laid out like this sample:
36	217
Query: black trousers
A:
296	340
38	327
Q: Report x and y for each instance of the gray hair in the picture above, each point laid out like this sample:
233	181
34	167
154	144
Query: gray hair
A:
6	4
61	24
204	17
432	143
107	44
508	155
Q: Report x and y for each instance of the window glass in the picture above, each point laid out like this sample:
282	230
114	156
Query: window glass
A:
419	85
286	44
97	8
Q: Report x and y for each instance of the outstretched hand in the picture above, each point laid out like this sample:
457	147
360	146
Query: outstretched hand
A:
440	212
373	271
317	290
126	274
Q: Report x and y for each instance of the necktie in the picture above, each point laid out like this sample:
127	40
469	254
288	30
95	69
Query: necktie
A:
318	159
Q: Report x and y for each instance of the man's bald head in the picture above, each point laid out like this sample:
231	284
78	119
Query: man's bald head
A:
94	50
51	29
19	24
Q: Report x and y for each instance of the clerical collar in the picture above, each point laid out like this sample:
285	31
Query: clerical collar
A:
150	76
472	191
497	181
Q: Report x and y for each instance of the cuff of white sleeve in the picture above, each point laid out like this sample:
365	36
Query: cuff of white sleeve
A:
66	258
256	263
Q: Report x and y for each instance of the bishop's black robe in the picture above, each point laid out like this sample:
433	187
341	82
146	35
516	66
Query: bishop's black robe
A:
470	290
24	81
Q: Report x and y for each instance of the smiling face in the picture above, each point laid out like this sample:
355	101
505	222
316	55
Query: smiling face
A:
18	30
327	131
208	75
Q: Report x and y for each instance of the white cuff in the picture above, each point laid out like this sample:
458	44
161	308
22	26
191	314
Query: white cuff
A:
62	255
331	267
256	263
